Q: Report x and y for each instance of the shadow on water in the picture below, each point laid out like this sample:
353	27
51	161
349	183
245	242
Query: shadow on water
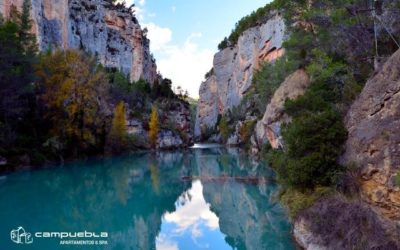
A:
144	202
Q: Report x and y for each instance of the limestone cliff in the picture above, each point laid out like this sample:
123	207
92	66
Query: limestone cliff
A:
111	33
233	70
373	221
373	123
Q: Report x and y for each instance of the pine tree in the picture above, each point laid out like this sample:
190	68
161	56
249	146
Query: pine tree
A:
154	126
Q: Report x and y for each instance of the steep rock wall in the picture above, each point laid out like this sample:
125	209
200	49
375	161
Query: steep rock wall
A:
233	70
110	33
373	145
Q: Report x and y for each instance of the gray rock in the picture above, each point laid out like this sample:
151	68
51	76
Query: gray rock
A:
98	27
373	123
233	70
168	140
335	223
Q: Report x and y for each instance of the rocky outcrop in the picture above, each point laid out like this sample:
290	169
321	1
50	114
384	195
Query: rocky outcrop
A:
233	70
110	33
269	128
168	140
175	126
335	223
373	142
373	221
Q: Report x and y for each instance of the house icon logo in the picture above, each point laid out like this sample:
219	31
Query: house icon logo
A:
19	236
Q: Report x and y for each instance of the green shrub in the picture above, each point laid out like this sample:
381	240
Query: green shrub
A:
296	200
224	128
268	79
246	130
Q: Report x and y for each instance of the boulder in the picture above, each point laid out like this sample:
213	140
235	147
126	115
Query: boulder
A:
336	223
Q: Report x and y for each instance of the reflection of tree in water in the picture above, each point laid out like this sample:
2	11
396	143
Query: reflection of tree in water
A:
127	197
248	214
116	195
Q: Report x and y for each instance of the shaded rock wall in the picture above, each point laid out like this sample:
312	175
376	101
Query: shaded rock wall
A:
373	122
335	223
112	34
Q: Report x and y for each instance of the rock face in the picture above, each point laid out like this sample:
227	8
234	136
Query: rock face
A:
373	222
233	70
111	33
169	140
269	128
334	223
175	126
373	145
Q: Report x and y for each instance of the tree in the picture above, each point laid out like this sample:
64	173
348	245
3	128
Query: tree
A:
224	128
117	138
17	54
154	127
73	89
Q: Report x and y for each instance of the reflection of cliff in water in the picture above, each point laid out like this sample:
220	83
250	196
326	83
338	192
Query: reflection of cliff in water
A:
248	214
130	197
124	196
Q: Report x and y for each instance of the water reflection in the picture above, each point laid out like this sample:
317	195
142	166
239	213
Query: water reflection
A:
192	225
142	202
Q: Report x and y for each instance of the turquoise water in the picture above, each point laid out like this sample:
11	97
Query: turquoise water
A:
205	198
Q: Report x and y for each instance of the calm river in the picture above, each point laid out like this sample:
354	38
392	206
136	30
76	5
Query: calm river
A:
202	198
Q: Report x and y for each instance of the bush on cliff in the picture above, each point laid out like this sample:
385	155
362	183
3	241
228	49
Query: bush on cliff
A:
314	138
224	128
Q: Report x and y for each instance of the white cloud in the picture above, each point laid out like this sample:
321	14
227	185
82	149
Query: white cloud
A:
163	243
193	213
159	36
129	2
186	64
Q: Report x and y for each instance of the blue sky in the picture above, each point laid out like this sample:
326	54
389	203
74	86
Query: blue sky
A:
184	34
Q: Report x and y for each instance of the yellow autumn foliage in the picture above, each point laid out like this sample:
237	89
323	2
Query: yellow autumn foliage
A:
73	87
118	133
154	126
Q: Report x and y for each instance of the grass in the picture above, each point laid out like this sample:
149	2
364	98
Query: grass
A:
295	201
